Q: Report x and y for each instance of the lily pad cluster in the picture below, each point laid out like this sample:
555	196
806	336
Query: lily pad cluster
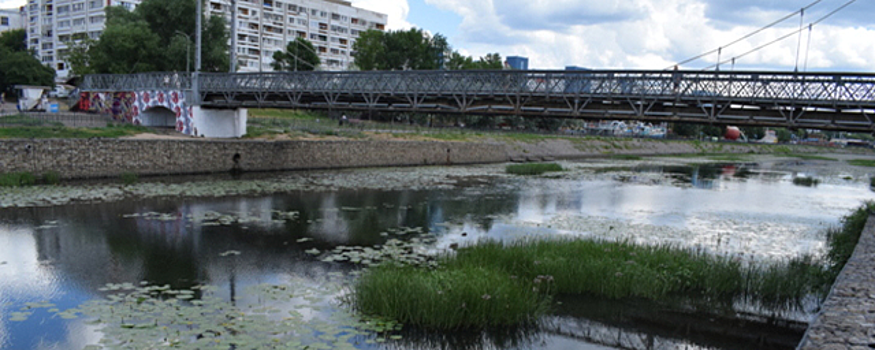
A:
407	252
289	316
212	218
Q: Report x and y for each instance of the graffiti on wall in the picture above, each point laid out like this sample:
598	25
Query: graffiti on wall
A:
131	106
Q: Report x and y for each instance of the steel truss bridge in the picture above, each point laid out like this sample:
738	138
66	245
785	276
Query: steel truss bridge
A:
826	101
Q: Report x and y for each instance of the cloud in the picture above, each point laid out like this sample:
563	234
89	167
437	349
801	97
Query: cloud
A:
396	9
563	14
653	34
762	12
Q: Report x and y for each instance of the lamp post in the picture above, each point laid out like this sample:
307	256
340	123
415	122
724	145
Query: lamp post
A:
187	50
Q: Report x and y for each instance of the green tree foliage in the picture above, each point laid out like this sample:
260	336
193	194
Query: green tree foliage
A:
18	66
158	36
299	55
14	40
414	50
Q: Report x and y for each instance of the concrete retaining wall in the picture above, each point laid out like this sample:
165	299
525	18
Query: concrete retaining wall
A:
847	319
86	158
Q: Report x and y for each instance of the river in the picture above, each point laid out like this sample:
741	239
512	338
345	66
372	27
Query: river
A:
63	256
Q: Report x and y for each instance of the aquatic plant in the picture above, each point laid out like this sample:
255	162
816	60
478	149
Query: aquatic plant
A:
450	298
52	178
806	181
842	241
532	168
862	162
616	270
17	179
129	178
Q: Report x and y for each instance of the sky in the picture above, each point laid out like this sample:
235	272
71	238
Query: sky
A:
644	34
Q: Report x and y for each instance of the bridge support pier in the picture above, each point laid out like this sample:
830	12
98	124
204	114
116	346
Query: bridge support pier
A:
219	123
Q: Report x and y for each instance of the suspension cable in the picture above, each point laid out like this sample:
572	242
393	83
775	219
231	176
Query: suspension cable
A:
746	36
818	21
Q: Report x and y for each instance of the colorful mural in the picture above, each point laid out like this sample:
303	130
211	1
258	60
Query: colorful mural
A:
130	106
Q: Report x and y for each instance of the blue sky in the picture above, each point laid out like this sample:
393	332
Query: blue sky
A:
642	34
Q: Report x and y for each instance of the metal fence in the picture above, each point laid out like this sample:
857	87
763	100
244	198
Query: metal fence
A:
73	120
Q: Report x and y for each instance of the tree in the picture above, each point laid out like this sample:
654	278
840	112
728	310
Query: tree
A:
18	66
300	54
399	50
369	50
21	68
14	40
158	36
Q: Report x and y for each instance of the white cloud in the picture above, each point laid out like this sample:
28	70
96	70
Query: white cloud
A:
396	9
653	34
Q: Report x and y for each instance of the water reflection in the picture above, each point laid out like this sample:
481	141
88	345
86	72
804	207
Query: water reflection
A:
65	254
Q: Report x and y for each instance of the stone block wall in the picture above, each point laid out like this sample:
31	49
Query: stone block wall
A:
90	158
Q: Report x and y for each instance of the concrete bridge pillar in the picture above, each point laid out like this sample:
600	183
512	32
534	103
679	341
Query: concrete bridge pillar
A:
219	123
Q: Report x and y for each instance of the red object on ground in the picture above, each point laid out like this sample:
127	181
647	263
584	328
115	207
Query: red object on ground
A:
733	133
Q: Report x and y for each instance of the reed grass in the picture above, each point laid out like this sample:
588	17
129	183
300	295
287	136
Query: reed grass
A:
532	168
493	283
862	162
448	298
807	181
17	179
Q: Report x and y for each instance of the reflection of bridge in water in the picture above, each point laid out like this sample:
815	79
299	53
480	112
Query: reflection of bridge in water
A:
827	101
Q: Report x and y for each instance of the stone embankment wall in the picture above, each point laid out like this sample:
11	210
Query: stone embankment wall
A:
847	318
90	158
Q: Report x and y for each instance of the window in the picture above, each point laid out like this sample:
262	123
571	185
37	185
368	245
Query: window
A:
96	19
61	66
4	21
63	24
78	7
94	4
63	9
78	22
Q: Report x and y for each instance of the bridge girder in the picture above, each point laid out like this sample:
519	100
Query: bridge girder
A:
828	101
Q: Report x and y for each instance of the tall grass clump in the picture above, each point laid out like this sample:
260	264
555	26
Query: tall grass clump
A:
17	179
129	178
462	297
806	181
532	168
842	241
52	178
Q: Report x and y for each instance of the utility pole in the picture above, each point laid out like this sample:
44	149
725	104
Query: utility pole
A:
233	68
195	81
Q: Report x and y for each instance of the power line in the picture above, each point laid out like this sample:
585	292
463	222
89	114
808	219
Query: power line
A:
747	36
812	24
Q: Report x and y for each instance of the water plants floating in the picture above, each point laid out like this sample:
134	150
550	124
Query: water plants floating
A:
532	168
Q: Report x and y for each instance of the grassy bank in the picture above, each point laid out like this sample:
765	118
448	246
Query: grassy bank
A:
494	284
61	132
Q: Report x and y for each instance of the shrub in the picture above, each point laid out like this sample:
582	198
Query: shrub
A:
532	168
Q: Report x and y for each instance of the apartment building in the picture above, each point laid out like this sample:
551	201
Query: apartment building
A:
11	19
263	27
266	26
53	25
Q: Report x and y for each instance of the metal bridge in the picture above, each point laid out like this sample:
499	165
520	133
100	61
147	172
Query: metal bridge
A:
826	101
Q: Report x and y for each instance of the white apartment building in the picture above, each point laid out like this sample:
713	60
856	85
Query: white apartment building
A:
263	27
266	26
52	25
11	19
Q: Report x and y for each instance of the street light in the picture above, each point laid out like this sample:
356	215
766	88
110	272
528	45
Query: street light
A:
187	50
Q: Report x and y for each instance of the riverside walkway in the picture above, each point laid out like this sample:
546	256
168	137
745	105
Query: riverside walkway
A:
847	320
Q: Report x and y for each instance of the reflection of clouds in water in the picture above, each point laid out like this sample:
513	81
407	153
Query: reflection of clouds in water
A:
78	336
330	226
29	276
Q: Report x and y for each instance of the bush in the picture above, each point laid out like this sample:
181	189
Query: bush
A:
52	178
533	168
806	181
17	179
129	178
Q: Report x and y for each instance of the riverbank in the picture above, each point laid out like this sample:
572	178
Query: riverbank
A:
150	156
847	317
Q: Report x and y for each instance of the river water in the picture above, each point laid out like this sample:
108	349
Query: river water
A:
66	255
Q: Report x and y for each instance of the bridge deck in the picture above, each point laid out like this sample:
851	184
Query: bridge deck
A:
830	101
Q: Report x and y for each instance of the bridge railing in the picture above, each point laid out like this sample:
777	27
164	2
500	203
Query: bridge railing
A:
842	89
136	82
